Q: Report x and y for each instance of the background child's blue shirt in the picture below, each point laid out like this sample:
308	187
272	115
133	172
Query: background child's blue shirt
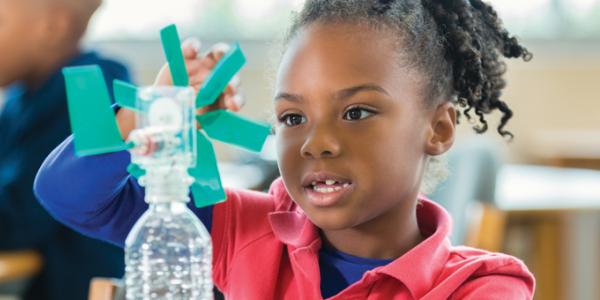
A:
32	123
113	222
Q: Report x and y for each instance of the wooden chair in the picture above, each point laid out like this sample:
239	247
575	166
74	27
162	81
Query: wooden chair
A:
487	227
106	289
16	265
16	270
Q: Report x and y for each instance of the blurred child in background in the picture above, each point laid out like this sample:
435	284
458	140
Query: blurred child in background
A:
38	38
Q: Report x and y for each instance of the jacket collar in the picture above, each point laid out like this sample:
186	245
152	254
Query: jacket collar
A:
289	223
417	269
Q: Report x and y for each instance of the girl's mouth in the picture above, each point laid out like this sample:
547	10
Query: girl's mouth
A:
327	192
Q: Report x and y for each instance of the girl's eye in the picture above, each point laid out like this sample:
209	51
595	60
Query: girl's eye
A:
292	119
357	113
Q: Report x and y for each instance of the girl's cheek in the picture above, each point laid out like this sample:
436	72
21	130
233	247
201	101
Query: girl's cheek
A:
285	145
280	145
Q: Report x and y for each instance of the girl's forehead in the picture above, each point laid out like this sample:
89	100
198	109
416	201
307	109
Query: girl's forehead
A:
341	41
341	53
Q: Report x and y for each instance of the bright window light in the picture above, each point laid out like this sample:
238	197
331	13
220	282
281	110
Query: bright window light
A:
268	19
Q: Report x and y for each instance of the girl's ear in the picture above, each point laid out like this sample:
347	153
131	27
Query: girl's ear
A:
440	135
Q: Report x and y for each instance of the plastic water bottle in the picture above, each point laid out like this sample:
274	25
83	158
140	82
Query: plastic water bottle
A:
168	253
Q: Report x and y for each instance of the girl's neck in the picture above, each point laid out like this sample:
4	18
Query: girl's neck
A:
388	236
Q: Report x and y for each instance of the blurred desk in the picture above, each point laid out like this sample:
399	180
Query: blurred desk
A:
536	188
19	265
554	221
567	148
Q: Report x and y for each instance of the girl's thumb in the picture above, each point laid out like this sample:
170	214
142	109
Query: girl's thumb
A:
191	47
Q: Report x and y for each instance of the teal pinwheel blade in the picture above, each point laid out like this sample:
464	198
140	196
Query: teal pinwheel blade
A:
92	119
230	128
218	79
172	48
207	188
125	94
135	170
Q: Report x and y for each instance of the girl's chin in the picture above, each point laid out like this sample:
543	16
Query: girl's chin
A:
330	220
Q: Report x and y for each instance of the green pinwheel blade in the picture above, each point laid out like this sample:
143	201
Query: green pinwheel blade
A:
135	170
92	118
207	188
125	94
230	128
218	79
172	48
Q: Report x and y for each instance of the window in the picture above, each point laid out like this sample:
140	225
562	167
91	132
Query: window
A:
268	19
231	19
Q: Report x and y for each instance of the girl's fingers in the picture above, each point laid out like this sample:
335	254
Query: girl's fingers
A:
191	48
199	67
219	50
229	90
188	52
193	67
230	99
198	78
217	105
239	101
125	121
231	103
236	101
215	54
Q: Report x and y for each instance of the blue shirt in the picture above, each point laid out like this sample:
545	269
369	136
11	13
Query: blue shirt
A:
339	270
32	123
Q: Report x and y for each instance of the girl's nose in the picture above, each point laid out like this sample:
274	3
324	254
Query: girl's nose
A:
320	143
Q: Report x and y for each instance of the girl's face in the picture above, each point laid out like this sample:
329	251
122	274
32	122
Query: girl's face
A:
349	111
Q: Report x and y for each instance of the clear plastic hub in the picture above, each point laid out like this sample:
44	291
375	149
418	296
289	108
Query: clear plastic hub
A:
165	127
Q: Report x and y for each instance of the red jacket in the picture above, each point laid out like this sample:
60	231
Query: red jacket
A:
266	248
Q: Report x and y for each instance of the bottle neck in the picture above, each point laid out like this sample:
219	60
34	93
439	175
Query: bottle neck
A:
163	207
167	184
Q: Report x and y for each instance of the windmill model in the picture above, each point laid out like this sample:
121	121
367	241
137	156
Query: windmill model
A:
168	251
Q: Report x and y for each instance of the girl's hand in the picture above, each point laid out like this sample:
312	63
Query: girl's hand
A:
198	68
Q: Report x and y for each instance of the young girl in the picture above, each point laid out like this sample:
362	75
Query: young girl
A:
366	93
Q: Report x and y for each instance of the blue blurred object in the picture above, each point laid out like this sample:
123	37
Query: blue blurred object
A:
32	123
473	166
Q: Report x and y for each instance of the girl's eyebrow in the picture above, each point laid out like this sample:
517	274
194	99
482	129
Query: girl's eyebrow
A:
341	94
288	97
351	91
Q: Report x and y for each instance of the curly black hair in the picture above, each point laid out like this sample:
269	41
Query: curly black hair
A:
456	44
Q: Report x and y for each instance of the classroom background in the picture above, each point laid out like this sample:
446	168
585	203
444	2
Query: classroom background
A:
537	197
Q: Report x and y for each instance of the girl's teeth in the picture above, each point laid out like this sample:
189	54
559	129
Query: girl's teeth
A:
329	186
329	189
327	182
